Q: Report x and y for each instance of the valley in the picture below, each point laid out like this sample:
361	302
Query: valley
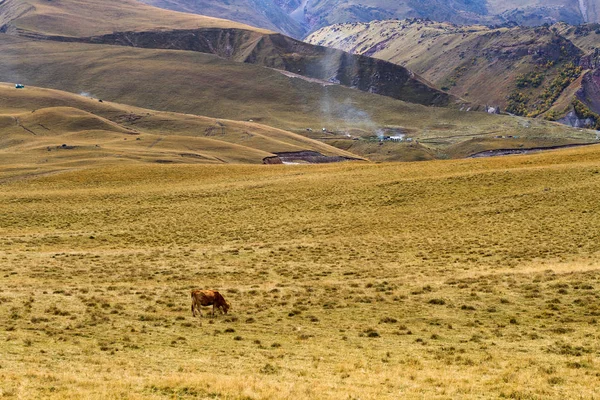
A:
217	70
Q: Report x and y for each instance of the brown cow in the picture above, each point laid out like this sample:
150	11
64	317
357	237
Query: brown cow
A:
208	298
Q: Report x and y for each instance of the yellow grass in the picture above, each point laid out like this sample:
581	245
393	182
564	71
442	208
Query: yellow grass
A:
446	279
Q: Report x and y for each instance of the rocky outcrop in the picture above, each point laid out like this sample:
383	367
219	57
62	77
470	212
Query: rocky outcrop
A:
356	71
571	119
305	157
589	93
591	61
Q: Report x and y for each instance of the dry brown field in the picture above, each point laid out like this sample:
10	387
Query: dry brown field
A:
438	280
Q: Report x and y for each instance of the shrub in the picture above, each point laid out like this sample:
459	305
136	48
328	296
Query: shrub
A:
372	333
439	302
269	369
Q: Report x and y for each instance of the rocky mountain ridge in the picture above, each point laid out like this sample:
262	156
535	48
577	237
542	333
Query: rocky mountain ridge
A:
300	17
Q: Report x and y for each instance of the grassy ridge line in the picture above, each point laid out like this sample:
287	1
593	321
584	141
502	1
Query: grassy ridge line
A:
465	278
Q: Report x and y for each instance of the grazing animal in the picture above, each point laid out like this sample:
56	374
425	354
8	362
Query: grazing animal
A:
208	298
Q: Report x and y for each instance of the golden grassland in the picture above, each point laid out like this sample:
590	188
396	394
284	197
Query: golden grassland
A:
438	280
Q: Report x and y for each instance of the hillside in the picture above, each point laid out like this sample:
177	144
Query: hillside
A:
308	90
263	13
525	71
77	18
142	26
42	128
210	86
146	153
295	16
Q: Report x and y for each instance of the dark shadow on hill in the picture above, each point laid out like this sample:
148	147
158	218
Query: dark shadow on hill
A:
509	152
305	157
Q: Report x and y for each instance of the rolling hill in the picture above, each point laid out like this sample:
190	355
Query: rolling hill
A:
204	84
88	17
43	128
129	174
544	71
461	279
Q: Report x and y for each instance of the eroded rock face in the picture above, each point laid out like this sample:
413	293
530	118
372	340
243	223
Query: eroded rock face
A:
590	10
304	157
540	15
591	61
288	5
571	119
589	93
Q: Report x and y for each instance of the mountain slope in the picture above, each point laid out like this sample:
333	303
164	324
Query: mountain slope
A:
312	15
88	17
182	78
525	71
263	13
147	27
207	85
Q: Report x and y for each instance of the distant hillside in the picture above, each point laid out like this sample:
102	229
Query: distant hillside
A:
89	17
227	72
199	84
545	71
138	25
270	14
297	17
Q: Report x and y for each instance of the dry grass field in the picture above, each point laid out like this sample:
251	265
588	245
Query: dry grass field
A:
438	280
